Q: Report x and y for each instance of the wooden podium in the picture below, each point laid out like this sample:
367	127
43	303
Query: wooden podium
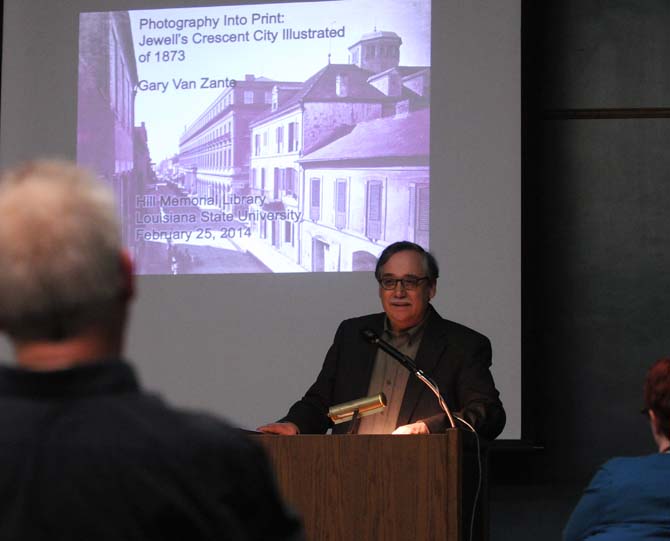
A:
395	488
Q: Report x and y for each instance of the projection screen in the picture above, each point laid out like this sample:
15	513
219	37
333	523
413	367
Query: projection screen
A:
263	154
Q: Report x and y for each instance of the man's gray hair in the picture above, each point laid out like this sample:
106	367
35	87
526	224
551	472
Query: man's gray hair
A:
60	246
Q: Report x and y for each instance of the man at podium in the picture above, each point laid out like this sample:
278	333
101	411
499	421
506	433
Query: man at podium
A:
457	358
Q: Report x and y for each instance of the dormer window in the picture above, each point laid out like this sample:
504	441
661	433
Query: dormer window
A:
275	98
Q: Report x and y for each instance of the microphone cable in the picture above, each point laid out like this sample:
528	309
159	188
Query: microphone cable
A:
480	475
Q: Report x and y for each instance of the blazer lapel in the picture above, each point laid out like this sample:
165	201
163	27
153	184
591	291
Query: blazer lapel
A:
360	379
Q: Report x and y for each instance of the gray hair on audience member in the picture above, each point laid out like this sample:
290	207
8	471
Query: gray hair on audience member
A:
60	246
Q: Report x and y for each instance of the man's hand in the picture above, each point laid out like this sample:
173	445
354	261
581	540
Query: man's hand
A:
283	429
415	428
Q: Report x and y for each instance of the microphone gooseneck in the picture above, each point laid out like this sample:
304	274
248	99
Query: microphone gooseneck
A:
373	338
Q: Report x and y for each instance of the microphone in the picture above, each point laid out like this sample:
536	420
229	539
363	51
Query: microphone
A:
365	406
372	337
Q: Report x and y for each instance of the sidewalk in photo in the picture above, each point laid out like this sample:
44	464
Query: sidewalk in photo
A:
266	254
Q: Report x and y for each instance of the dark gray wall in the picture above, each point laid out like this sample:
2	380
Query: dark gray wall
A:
596	188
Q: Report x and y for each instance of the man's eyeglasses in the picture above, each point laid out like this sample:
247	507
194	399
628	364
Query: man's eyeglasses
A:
409	283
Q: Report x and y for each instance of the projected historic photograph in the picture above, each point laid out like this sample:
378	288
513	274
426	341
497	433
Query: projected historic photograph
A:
261	138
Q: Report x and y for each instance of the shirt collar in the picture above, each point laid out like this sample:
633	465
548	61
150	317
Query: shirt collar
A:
413	333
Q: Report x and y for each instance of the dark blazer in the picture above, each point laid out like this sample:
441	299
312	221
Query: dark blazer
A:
456	357
627	500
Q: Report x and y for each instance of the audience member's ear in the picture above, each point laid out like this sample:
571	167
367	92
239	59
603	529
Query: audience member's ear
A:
127	275
655	423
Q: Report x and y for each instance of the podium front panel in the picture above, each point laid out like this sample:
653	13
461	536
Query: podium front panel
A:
371	487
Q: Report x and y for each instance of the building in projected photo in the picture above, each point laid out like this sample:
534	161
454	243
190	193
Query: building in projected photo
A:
344	198
366	187
214	150
107	140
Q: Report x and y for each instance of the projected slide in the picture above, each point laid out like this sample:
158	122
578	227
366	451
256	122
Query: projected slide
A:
260	138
